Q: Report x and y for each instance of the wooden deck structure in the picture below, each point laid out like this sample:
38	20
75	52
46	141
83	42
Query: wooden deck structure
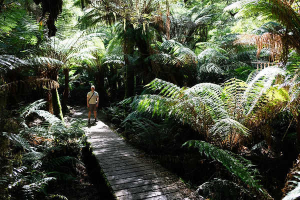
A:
131	175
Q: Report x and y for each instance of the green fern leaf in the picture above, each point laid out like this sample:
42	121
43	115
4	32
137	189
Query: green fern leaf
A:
233	163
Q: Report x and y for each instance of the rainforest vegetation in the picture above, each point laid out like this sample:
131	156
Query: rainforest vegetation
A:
209	88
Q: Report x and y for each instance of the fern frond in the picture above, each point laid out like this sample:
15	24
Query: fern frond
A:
45	61
294	194
29	84
154	104
235	164
55	163
233	92
10	62
226	126
19	141
203	87
210	68
292	185
32	107
165	88
47	116
33	156
259	85
36	186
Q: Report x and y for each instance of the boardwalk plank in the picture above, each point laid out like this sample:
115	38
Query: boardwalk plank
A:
128	170
130	177
143	189
137	184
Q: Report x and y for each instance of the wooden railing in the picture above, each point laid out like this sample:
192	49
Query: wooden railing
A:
264	64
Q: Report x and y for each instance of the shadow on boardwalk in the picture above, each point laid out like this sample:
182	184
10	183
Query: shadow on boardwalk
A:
130	174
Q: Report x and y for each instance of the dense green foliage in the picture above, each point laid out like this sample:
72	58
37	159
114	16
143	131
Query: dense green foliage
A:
220	76
39	155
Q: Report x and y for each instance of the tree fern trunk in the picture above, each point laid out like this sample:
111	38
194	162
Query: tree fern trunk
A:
113	82
129	84
54	105
50	102
100	85
128	51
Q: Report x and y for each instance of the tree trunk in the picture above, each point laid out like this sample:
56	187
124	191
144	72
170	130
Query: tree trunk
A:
129	84
50	102
100	85
113	82
53	99
128	51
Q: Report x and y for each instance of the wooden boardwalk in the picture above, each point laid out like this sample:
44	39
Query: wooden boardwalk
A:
129	173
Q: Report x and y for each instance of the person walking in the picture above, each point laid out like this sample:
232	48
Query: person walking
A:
92	103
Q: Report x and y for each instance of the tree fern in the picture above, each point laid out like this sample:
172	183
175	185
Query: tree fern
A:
235	164
217	111
174	53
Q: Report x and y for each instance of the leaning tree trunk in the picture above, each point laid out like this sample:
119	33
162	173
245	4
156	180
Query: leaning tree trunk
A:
128	51
56	105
